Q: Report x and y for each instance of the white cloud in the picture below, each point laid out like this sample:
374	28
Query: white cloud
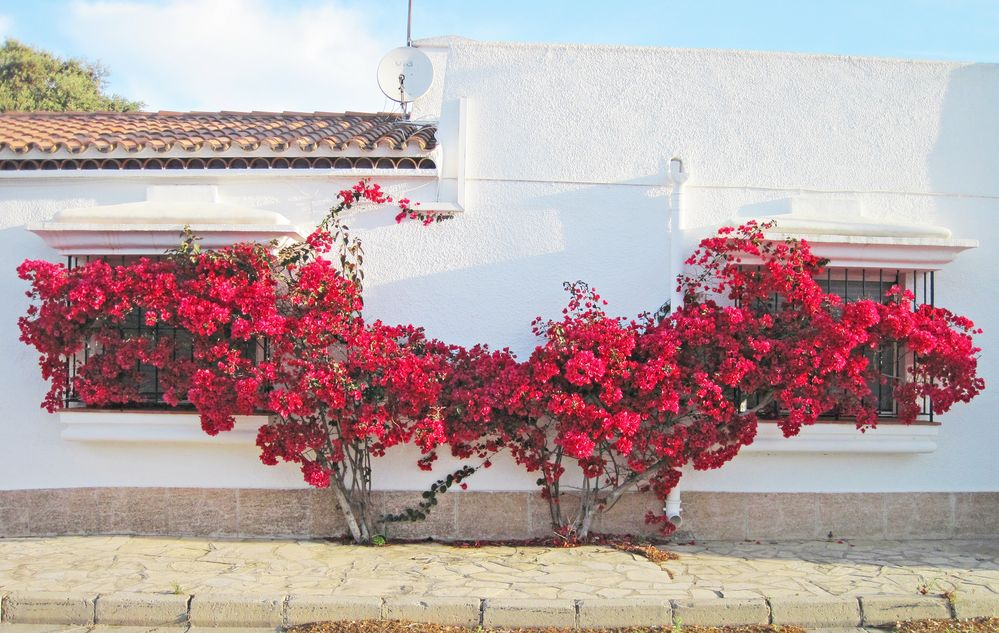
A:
233	54
5	23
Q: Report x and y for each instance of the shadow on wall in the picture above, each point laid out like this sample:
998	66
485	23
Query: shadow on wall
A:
965	157
964	164
611	236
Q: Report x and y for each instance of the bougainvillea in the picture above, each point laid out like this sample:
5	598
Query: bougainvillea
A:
631	402
626	403
249	329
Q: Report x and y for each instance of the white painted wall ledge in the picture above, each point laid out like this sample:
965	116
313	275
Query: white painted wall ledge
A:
153	239
89	425
843	437
155	427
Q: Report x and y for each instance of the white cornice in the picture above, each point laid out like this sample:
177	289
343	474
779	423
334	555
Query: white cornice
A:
841	231
153	239
874	251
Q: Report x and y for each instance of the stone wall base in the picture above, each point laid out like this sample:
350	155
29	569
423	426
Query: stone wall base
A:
309	513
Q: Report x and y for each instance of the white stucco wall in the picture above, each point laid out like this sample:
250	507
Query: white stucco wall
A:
566	161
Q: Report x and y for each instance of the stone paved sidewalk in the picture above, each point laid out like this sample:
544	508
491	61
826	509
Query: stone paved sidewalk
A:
708	570
217	583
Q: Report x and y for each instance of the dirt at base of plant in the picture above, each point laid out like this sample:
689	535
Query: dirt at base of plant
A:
412	627
625	543
975	625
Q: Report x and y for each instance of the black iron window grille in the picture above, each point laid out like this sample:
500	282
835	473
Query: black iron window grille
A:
151	389
892	361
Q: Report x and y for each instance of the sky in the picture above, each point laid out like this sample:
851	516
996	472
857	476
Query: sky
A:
321	55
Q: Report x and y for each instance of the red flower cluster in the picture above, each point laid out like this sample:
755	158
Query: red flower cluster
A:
632	402
252	329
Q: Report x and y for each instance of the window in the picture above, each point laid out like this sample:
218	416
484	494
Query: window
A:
891	361
151	389
148	228
868	256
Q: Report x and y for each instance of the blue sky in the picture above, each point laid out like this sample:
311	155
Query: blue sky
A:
321	54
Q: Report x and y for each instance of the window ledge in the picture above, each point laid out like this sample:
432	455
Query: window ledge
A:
878	251
843	437
96	425
149	239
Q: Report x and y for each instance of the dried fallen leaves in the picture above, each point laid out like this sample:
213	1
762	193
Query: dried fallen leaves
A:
390	626
975	625
651	552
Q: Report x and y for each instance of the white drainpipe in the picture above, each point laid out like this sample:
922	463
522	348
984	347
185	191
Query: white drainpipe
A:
677	175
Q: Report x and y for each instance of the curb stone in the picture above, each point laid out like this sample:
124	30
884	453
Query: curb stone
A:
140	609
111	628
221	613
609	613
439	610
882	610
7	627
221	610
815	612
48	607
229	629
306	609
529	613
977	606
722	611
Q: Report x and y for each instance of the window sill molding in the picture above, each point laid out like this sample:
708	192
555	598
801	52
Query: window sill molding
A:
96	425
843	437
162	427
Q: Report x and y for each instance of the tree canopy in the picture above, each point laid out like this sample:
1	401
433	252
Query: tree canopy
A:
32	79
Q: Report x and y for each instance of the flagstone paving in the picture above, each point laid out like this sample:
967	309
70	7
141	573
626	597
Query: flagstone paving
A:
705	570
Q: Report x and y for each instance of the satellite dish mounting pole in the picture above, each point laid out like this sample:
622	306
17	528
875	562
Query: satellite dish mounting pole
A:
402	78
409	25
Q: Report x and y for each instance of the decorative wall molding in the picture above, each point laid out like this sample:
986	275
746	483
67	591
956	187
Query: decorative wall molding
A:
155	225
840	230
843	437
150	239
156	427
96	425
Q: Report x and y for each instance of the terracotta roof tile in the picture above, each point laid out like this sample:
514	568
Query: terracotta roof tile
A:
264	132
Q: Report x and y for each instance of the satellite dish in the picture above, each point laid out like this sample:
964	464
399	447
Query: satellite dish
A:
405	74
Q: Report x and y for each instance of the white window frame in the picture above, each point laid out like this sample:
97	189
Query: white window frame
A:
150	228
840	231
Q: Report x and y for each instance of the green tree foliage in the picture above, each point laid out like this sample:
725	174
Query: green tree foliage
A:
32	79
